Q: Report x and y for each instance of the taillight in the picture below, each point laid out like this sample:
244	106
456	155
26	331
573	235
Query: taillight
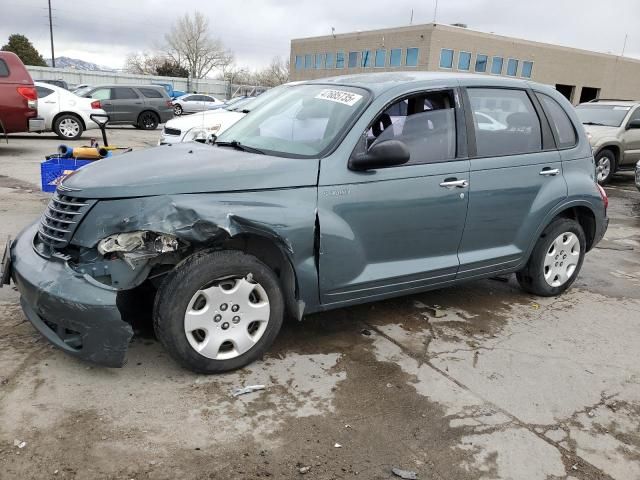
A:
605	199
30	95
96	104
169	104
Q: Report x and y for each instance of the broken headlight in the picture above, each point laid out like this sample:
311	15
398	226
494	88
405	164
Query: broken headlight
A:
201	134
141	241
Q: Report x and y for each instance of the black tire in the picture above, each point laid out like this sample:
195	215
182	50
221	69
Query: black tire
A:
195	273
532	277
603	158
148	120
68	127
177	109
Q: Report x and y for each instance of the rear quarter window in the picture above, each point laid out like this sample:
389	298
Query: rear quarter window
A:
150	92
561	124
43	92
4	69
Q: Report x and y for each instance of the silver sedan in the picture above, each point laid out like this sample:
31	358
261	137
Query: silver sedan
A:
194	102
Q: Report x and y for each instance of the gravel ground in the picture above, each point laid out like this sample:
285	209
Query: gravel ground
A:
474	382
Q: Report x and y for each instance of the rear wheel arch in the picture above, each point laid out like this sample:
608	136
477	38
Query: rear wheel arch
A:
587	220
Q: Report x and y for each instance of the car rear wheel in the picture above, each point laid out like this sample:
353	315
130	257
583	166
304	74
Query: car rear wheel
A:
68	127
218	311
605	166
556	259
177	110
148	121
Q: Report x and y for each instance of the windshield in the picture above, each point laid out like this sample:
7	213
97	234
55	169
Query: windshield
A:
606	115
237	103
298	121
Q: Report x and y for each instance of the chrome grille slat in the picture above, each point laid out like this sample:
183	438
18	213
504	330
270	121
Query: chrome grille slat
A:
57	232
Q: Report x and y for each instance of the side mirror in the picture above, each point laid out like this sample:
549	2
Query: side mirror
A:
387	153
633	124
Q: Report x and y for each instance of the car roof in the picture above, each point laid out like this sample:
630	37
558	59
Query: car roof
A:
50	86
127	85
380	82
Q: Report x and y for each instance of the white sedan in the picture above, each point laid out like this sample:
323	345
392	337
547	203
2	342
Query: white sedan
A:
195	102
64	113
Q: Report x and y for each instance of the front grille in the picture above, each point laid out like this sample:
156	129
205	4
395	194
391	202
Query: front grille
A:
172	131
61	218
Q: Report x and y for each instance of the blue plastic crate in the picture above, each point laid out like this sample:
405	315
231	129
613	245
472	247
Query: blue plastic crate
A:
53	170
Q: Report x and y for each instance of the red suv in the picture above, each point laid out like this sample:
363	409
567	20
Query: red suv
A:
18	97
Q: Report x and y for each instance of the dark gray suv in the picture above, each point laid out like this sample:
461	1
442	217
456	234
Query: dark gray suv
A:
144	106
335	192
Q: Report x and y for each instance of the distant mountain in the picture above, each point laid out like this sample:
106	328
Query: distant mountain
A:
66	62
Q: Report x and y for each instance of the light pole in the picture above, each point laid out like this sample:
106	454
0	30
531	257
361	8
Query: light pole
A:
53	55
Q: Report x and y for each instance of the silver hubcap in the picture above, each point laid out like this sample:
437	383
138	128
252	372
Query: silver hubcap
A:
177	110
69	127
561	260
603	168
226	320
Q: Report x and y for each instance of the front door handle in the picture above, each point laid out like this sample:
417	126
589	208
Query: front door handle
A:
549	172
454	183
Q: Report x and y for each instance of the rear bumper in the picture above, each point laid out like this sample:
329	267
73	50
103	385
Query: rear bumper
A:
36	124
74	313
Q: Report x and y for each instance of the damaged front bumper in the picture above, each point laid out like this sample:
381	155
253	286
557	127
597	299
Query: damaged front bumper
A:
71	310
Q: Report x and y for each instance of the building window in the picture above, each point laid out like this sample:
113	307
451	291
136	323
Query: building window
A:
395	57
527	68
353	59
299	62
481	63
366	58
411	60
496	65
381	55
330	60
320	59
464	61
512	67
308	61
446	58
340	60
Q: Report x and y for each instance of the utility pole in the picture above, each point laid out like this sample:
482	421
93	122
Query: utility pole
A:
53	55
624	46
411	20
435	12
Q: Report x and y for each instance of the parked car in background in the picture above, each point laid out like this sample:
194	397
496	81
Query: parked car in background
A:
613	128
82	87
293	211
205	126
64	113
57	83
195	102
143	106
18	97
638	175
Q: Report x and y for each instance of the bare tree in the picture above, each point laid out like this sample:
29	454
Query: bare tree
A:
144	63
190	44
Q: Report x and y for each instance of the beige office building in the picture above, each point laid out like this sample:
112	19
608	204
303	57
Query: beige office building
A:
580	75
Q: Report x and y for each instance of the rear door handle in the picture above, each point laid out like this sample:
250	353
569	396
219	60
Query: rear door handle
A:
454	183
549	172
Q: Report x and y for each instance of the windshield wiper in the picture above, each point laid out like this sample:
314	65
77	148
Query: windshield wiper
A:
238	146
595	124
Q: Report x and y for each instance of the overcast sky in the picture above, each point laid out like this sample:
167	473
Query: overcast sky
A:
104	32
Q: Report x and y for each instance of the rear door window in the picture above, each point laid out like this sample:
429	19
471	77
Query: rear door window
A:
43	92
4	69
102	94
515	123
124	93
150	92
425	123
561	125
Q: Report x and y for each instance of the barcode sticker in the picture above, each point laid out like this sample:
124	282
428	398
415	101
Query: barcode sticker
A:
340	96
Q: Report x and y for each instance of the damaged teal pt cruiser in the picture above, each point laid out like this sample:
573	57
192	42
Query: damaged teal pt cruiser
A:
336	192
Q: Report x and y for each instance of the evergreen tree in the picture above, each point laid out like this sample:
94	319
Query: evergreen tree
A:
21	46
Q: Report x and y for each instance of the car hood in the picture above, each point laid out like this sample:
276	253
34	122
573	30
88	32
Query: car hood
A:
205	119
600	131
188	168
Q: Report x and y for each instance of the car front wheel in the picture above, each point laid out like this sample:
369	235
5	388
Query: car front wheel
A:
177	110
605	166
218	311
556	259
68	127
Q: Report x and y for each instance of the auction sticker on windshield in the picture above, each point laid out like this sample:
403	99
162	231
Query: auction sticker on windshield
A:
339	96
